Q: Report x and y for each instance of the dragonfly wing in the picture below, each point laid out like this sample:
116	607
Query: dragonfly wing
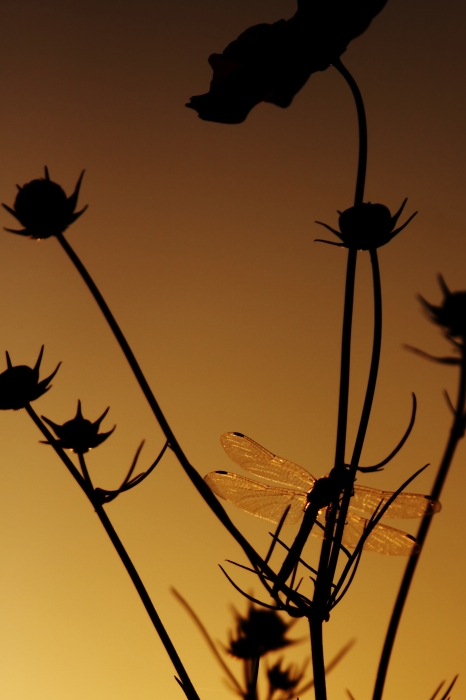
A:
259	461
383	539
406	505
267	502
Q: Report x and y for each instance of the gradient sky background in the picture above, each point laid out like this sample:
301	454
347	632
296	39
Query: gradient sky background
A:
201	238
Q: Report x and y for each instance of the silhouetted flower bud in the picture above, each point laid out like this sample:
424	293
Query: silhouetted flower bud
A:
367	226
272	62
19	385
79	434
43	208
451	315
284	679
258	633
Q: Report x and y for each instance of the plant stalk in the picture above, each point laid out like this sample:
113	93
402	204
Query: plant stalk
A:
86	485
331	545
456	434
191	472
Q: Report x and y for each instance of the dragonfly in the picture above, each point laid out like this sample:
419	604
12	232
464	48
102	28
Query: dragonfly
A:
298	492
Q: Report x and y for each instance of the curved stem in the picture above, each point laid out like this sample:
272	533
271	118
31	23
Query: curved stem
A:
362	124
456	433
191	472
331	545
334	537
86	485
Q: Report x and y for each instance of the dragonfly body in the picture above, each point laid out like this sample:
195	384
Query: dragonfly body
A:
300	492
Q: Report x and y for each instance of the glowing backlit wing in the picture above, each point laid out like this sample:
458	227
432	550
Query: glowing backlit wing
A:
267	502
406	505
383	539
259	461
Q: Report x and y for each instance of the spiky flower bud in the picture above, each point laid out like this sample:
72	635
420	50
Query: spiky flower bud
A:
367	226
286	679
79	434
258	633
19	384
43	208
451	314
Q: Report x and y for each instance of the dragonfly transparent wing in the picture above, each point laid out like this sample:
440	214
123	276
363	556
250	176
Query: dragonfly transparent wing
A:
406	505
383	539
259	461
267	502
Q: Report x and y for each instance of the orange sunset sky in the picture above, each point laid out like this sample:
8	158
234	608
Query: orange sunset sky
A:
200	237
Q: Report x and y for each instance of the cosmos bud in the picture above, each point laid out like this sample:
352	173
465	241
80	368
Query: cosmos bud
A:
19	385
43	208
367	226
79	434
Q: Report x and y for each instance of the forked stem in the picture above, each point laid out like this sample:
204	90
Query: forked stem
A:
331	546
365	414
86	485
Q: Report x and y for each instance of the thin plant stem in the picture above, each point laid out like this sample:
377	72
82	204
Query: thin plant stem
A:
323	582
333	545
85	471
209	641
317	651
191	472
456	433
327	561
362	126
251	669
63	456
366	410
375	359
185	681
330	666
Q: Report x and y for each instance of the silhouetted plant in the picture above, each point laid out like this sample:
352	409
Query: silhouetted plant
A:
43	208
272	62
450	317
80	435
19	384
256	635
268	63
367	226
